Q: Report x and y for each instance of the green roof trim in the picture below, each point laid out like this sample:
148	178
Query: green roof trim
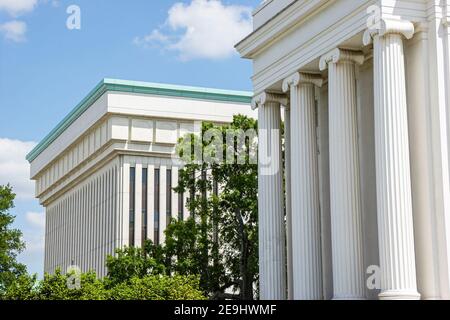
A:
158	89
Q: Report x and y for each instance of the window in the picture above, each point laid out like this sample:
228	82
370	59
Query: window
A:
215	188
180	204
192	193
168	196
204	177
156	207
132	205
144	205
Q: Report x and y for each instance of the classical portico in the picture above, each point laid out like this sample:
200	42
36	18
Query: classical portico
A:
364	87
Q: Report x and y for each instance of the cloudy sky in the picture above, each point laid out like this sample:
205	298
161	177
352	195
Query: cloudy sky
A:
46	68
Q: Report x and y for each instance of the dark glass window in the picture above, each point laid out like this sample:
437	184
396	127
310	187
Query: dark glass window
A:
180	205
144	205
192	192
204	176
156	207
215	188
168	196
215	214
132	205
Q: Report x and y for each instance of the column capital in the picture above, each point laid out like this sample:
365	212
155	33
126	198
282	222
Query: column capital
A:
266	97
302	78
340	55
389	26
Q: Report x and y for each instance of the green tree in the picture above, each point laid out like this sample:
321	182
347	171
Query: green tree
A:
158	287
224	245
134	262
10	241
219	240
23	287
56	287
147	287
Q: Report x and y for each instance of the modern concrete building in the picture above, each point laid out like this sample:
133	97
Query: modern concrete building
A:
106	173
366	90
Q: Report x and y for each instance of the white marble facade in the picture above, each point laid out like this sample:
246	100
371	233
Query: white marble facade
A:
365	86
111	160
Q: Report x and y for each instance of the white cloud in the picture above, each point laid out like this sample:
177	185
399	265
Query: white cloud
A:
14	30
17	7
34	237
36	219
34	233
14	168
154	37
202	29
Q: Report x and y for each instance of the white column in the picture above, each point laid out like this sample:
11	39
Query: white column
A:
306	238
346	225
287	177
272	240
395	220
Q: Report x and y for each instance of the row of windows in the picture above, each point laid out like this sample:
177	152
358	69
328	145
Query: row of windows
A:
156	204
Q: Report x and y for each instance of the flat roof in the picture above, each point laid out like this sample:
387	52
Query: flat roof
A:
159	89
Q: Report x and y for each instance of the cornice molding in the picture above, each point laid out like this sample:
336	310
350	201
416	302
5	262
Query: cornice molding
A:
124	86
290	16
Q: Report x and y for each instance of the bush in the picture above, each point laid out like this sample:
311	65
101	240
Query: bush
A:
158	287
150	287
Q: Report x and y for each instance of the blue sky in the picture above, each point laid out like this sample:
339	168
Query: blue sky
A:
46	69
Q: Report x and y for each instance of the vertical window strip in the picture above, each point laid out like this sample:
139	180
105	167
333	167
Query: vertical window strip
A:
132	200
168	196
156	208
192	193
180	204
144	205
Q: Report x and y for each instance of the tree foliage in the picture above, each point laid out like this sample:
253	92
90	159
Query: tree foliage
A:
148	287
224	209
219	240
11	243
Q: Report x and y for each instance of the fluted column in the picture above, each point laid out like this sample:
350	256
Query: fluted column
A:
395	220
346	226
306	248
287	179
272	242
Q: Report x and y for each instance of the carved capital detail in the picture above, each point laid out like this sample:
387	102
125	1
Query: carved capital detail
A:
302	78
389	26
340	55
267	97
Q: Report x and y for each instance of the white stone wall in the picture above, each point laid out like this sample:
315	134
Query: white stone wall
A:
92	220
82	226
